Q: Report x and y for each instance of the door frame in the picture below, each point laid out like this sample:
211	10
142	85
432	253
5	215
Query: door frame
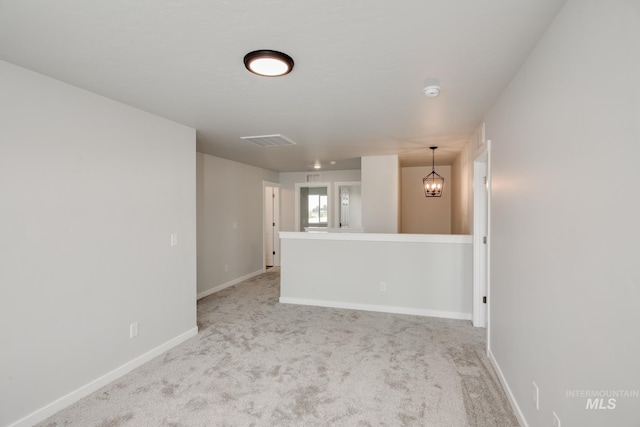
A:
337	204
276	220
296	201
481	214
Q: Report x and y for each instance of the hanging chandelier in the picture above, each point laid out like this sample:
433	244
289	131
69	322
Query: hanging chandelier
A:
433	183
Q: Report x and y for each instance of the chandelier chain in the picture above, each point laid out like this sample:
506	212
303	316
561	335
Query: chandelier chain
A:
433	160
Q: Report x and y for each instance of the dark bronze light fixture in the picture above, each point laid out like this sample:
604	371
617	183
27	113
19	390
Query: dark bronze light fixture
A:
433	183
269	63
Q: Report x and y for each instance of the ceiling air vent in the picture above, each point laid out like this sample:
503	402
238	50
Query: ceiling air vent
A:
269	140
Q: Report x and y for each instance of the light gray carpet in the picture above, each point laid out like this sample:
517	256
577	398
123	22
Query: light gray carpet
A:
258	362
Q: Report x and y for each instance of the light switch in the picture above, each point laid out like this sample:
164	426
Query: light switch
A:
133	330
174	240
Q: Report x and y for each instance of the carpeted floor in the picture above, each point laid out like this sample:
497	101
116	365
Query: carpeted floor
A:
261	363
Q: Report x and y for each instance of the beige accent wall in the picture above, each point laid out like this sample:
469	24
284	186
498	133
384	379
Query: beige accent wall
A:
425	215
462	192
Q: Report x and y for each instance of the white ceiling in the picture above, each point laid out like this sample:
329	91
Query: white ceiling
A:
356	89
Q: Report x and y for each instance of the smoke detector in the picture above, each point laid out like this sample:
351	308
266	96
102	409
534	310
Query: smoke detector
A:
431	91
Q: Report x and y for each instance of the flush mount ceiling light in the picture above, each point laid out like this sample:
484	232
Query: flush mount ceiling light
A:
269	63
433	183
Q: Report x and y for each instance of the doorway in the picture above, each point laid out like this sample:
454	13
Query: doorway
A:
313	206
271	224
348	206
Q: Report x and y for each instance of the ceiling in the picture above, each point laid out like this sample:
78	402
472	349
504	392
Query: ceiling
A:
356	89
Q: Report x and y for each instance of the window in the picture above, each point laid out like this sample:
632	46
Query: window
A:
317	205
313	205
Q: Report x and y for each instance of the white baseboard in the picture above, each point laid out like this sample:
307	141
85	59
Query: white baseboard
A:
228	284
379	308
61	403
505	385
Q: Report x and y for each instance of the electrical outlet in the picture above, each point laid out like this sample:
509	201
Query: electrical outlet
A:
383	286
234	225
536	395
556	420
133	330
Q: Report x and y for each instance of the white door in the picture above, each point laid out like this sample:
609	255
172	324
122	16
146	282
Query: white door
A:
271	226
276	226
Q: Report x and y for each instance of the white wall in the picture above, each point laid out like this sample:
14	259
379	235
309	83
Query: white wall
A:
425	215
91	191
230	226
288	181
565	282
423	275
380	194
